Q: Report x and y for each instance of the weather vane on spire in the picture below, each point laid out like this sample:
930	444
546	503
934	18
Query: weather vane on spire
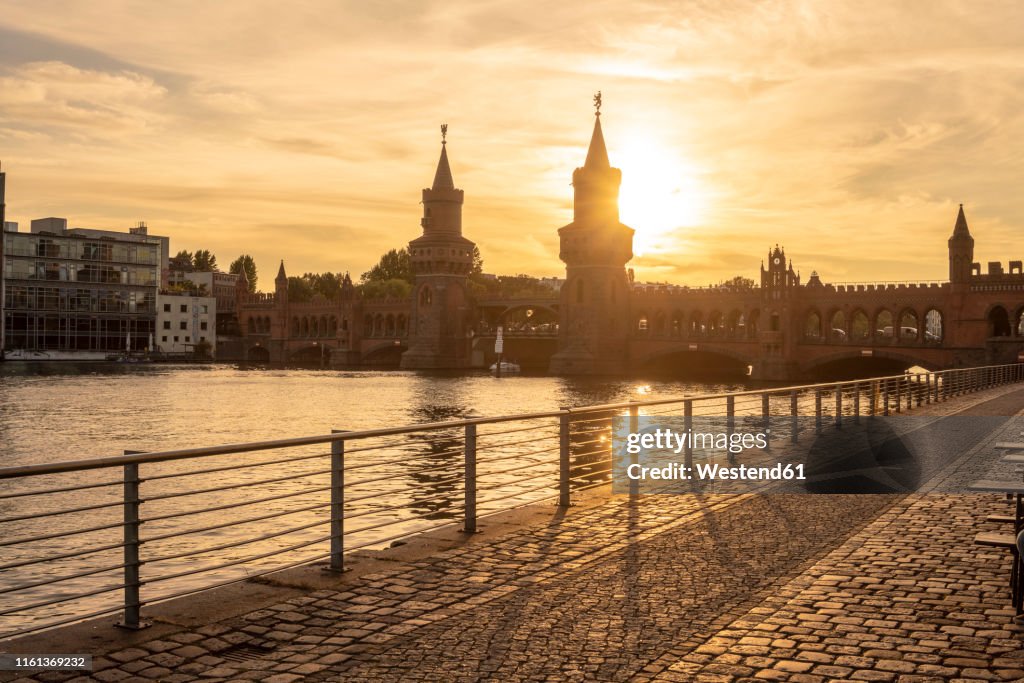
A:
444	133
597	103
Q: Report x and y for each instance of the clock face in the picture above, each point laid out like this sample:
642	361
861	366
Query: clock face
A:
777	260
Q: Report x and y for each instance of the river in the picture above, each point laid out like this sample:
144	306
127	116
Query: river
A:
57	412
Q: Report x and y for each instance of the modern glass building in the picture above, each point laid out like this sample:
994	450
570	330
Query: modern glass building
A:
76	294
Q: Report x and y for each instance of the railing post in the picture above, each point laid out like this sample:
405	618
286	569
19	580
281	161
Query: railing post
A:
337	563
132	583
839	405
872	398
899	396
688	425
563	459
766	419
794	411
469	524
730	415
634	458
885	397
911	390
817	411
927	389
856	402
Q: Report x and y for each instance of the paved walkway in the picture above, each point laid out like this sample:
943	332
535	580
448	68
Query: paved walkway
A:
662	588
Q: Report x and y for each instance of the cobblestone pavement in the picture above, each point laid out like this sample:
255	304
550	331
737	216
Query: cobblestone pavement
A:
661	588
905	600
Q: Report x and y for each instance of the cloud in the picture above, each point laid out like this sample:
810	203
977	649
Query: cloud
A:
41	95
823	126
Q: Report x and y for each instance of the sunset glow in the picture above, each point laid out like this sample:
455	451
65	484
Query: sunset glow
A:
306	131
661	196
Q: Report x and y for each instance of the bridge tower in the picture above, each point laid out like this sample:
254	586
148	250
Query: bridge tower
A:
593	336
440	325
961	252
279	321
778	328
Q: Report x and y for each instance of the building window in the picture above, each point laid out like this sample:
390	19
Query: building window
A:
188	339
167	308
202	325
204	309
175	340
183	325
202	339
163	338
167	325
184	308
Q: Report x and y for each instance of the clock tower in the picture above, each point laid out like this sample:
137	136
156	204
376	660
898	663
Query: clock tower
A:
778	328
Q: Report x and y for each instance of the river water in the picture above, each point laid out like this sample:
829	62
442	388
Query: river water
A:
58	412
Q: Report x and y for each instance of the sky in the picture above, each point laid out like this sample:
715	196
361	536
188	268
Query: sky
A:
847	132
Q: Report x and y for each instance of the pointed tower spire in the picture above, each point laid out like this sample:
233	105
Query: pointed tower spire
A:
443	178
961	251
280	272
960	229
597	155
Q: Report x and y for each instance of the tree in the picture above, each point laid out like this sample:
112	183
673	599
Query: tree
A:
303	288
204	261
182	261
246	263
394	265
300	291
738	283
478	262
385	289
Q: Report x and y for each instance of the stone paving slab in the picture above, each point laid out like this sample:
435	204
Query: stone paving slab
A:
710	588
906	599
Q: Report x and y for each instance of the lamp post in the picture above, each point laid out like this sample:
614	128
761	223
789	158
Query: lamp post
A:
323	350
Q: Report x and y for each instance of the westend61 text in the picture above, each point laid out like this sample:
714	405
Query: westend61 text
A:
709	472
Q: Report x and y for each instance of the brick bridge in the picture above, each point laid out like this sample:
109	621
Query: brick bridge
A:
603	323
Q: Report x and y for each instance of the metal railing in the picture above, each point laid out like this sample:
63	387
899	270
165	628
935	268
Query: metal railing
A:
327	495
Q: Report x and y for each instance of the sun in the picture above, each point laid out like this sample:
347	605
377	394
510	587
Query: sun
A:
661	194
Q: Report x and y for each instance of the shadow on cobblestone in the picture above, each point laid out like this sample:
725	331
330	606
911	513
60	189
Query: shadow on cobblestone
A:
611	618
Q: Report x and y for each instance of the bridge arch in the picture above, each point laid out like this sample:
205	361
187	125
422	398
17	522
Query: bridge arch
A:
257	354
998	321
883	327
536	308
753	321
659	323
838	330
677	323
934	324
715	326
734	323
851	363
696	324
315	352
860	325
709	359
908	325
387	353
812	325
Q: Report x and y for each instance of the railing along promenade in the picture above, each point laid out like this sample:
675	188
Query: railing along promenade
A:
111	535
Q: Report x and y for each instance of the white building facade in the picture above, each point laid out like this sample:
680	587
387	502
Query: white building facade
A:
186	324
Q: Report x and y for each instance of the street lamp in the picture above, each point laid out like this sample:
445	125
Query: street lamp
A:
323	349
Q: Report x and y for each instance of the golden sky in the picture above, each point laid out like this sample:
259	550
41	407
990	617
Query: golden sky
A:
305	130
